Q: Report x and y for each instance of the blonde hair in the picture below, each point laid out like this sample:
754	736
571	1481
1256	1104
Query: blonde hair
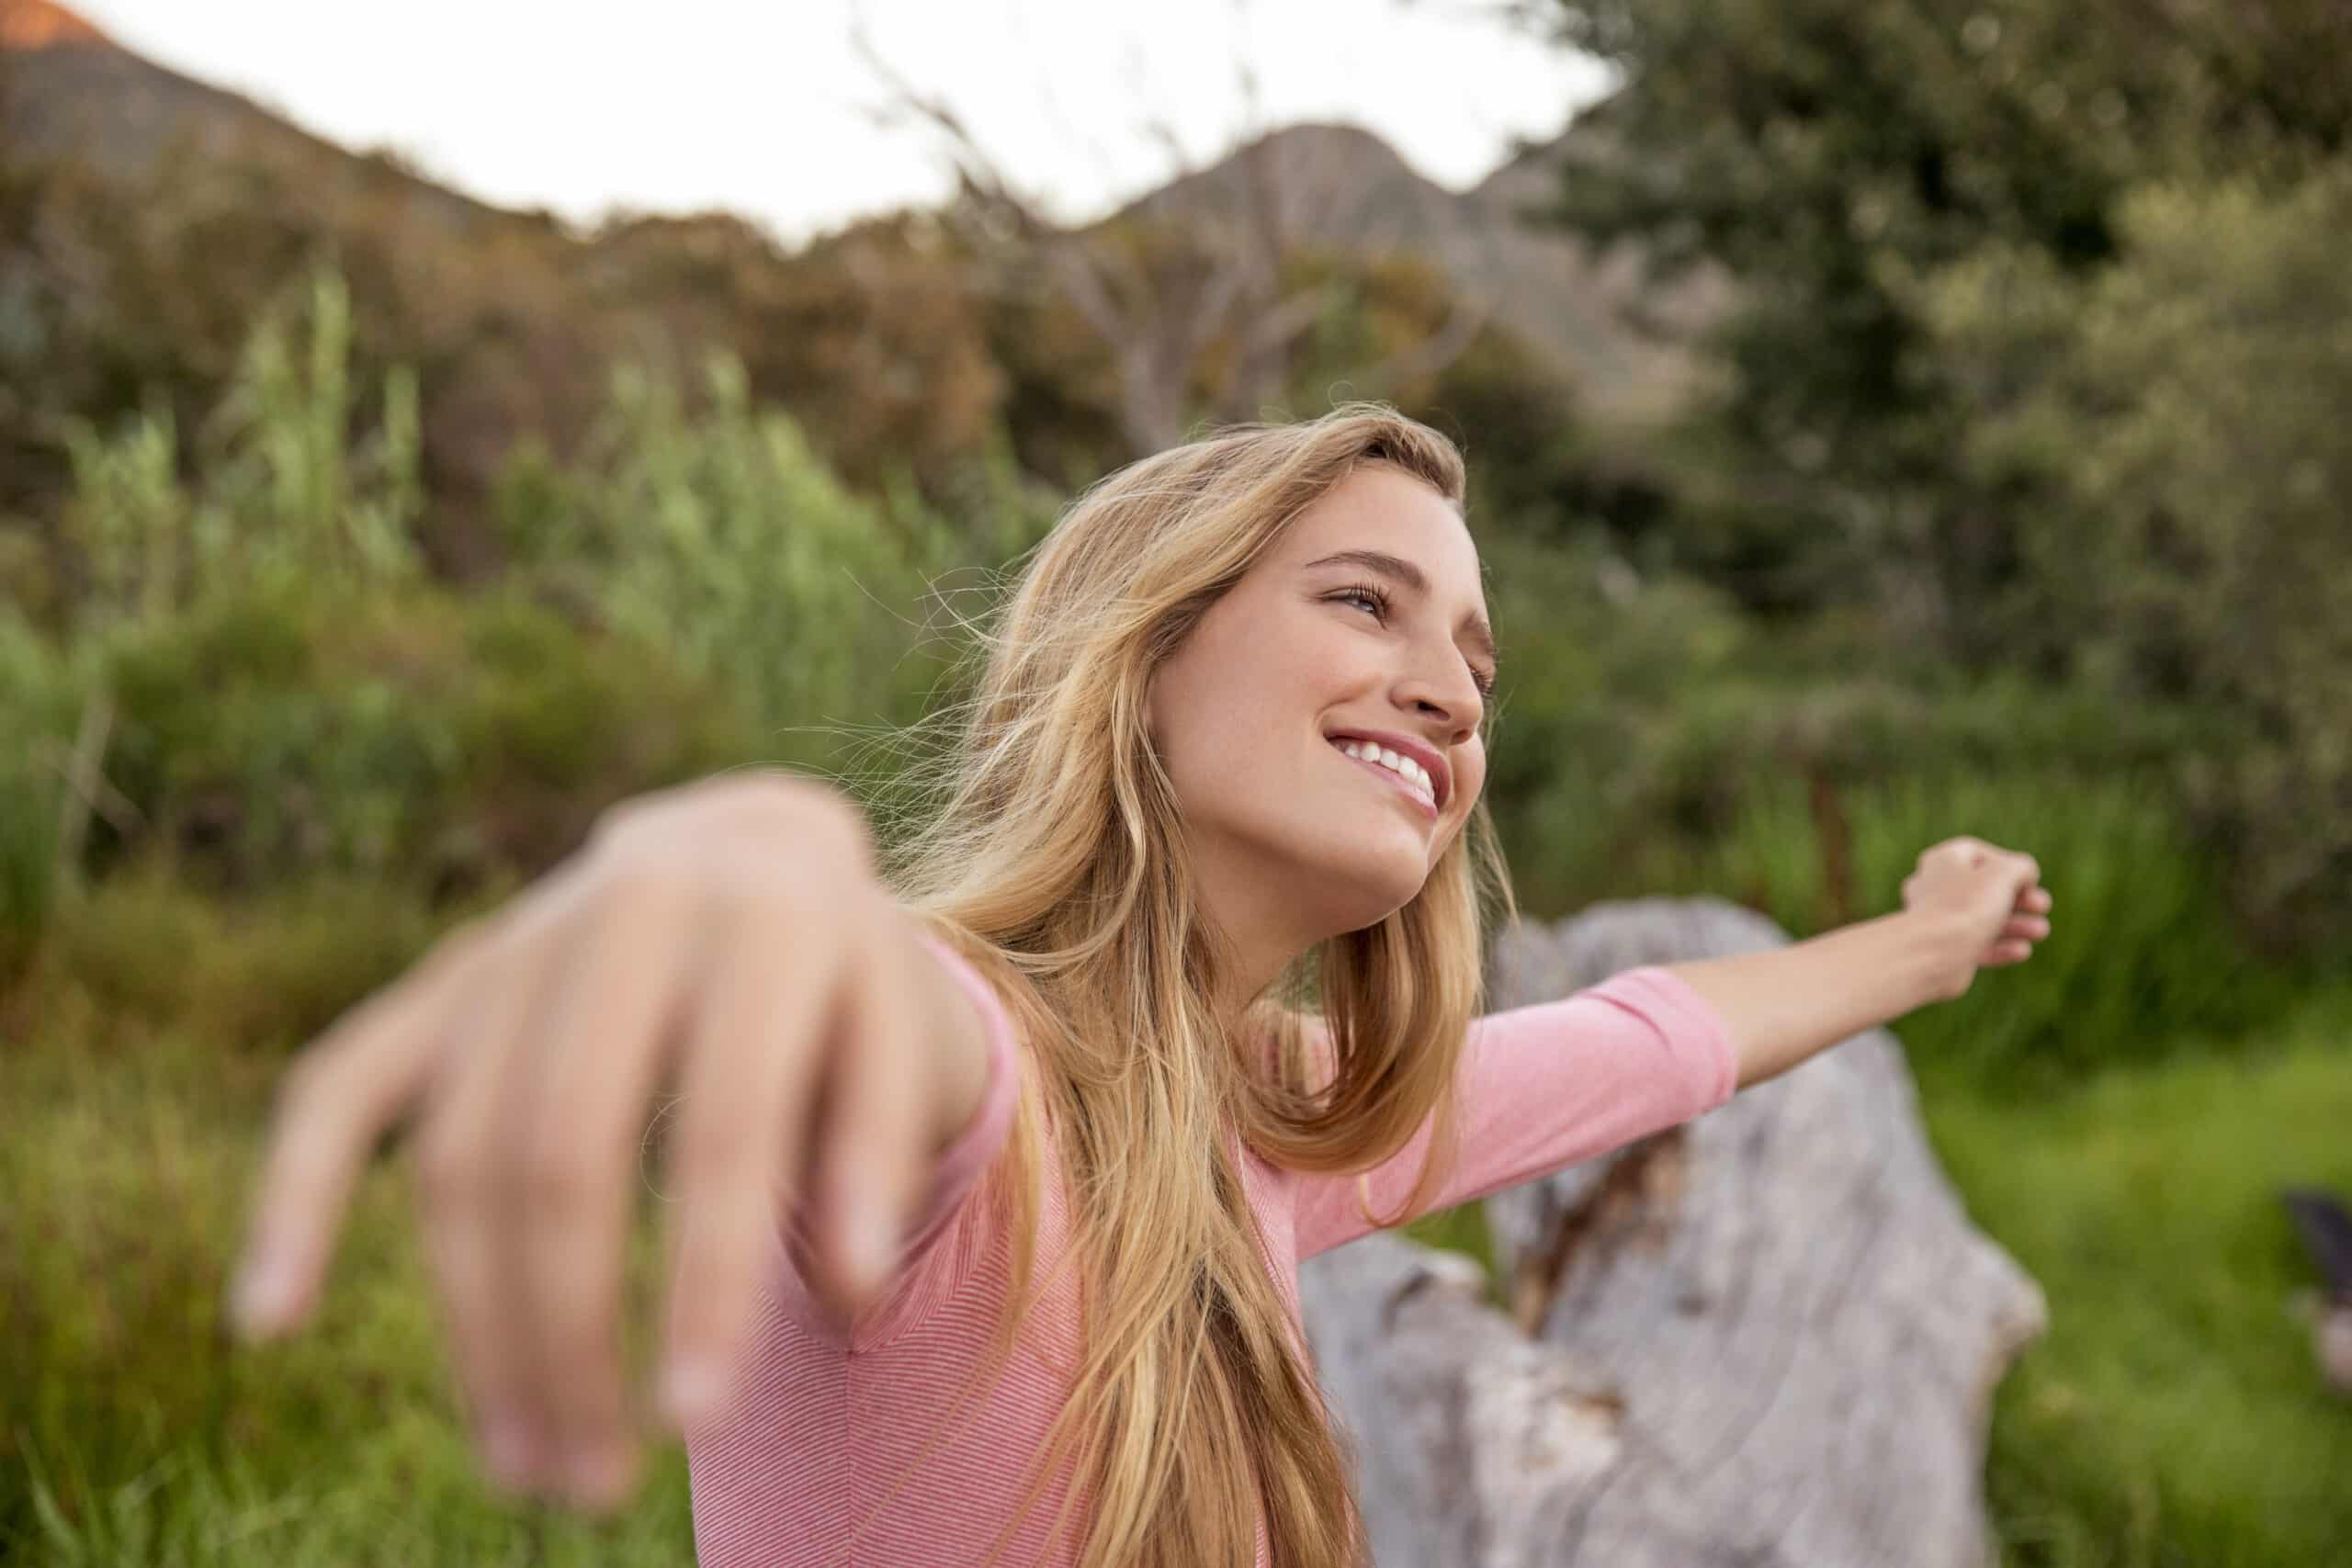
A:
1052	858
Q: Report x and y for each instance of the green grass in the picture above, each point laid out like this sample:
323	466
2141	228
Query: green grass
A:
2171	1417
2172	1414
134	1431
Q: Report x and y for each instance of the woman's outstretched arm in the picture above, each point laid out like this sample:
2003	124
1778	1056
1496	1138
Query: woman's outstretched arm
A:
1782	1005
1969	906
1540	1088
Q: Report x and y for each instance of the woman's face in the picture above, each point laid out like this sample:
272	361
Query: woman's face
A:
1296	839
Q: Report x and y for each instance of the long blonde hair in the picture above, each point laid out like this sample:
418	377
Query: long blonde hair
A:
1052	854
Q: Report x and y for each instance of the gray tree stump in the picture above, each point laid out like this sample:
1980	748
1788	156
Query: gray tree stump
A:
1769	1337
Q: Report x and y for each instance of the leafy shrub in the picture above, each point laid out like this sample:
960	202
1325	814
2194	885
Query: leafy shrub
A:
290	705
289	487
1652	740
147	951
718	536
270	734
2179	417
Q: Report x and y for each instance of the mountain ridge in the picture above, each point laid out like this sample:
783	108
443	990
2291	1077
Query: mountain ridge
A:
1344	187
77	94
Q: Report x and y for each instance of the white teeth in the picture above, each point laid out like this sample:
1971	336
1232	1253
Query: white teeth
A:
1395	763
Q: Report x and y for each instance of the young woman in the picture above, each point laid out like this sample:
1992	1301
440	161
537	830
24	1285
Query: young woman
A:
994	1156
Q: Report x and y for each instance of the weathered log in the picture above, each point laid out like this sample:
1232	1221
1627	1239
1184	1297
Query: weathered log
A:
1770	1336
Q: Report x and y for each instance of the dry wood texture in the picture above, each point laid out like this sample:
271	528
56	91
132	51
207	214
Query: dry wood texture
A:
1766	1337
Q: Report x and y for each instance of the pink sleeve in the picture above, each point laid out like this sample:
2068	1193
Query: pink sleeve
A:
961	1162
951	1179
1545	1087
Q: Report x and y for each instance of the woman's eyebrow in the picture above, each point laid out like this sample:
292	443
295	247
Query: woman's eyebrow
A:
1473	625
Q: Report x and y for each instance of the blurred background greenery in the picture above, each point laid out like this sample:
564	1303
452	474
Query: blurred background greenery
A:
1889	418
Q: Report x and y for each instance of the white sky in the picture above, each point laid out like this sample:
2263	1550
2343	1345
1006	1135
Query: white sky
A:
759	106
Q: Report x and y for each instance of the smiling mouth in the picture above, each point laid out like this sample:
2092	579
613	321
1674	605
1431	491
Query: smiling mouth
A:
1395	781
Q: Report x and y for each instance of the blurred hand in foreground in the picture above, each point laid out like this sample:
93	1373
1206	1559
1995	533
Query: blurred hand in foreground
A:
731	931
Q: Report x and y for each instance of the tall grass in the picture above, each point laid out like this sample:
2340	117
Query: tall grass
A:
297	478
35	701
2142	952
134	1431
706	525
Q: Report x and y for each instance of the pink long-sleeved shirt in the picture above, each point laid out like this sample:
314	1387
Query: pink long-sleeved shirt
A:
801	1469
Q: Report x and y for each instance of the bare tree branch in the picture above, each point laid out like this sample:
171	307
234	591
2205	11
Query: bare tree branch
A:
1160	315
87	790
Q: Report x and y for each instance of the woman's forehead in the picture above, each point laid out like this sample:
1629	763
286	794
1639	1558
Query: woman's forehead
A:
1381	508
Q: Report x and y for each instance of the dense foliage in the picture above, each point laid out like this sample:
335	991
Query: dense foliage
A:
2036	355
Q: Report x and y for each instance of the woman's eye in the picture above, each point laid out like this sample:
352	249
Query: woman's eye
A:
1377	603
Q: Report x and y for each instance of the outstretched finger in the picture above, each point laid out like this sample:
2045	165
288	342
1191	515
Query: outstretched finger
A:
875	1145
457	1149
768	1012
575	1107
334	1103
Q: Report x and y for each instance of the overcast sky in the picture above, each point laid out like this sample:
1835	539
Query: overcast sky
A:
761	107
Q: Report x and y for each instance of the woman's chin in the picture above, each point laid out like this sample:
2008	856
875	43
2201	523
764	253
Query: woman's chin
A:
1377	889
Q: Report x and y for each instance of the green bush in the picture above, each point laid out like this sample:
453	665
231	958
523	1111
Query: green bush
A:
269	734
712	531
1594	674
1641	714
289	485
260	974
294	717
2179	419
1652	741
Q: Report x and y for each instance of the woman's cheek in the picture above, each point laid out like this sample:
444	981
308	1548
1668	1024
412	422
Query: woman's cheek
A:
1470	776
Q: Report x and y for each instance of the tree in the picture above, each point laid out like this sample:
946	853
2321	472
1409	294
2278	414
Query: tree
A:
1833	152
2182	413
